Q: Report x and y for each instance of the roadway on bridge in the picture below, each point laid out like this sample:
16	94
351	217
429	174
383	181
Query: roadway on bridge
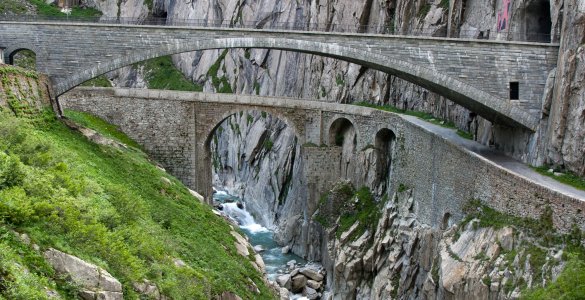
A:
510	164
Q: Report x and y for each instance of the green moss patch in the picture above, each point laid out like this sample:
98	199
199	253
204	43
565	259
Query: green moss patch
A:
163	75
566	178
348	205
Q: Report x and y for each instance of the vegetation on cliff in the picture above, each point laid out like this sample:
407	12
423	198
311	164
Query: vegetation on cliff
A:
537	242
345	206
109	206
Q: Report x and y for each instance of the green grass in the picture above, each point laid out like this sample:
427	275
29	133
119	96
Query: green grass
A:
12	6
566	178
419	114
50	10
489	217
350	206
163	75
569	285
108	206
98	124
100	81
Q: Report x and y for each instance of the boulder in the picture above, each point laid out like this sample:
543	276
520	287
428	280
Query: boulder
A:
241	244
298	283
310	293
285	249
197	196
312	274
228	296
284	281
291	264
179	263
283	293
316	285
96	283
166	181
147	288
259	262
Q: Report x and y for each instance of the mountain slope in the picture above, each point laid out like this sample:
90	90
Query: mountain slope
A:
108	205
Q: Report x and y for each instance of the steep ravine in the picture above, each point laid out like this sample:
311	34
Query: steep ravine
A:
256	157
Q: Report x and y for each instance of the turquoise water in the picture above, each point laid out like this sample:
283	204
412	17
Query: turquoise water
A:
258	235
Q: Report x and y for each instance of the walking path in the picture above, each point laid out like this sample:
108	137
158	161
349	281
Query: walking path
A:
498	158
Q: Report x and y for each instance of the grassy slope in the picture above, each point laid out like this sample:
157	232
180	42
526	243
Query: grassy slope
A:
108	206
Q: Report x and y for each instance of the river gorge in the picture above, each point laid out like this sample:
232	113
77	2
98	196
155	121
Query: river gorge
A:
348	182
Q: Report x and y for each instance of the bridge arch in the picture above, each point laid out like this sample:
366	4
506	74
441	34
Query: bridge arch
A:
263	143
11	56
216	123
485	104
339	130
384	143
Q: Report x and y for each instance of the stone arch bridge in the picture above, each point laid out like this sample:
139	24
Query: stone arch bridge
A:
477	74
444	170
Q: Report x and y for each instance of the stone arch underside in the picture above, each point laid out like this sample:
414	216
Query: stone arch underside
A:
210	129
490	107
219	114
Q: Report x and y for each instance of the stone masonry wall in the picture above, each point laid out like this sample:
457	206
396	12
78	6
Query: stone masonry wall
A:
443	175
163	128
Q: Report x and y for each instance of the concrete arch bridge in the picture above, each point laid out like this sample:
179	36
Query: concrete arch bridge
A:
499	80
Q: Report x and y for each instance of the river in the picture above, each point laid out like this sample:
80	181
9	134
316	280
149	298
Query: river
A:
259	235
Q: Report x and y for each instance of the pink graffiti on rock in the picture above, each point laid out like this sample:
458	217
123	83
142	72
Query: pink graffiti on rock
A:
504	15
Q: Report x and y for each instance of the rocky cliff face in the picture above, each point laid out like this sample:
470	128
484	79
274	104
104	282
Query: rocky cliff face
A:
255	157
566	112
398	257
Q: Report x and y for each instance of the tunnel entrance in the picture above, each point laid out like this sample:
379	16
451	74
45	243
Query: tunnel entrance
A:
537	21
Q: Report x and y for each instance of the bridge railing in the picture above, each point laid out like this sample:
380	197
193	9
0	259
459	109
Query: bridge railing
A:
296	26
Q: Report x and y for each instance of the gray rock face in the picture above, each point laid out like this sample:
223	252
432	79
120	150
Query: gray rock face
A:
417	262
566	124
97	283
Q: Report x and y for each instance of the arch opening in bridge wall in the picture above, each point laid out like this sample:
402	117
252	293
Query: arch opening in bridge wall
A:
262	112
483	103
262	140
342	133
24	58
384	145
